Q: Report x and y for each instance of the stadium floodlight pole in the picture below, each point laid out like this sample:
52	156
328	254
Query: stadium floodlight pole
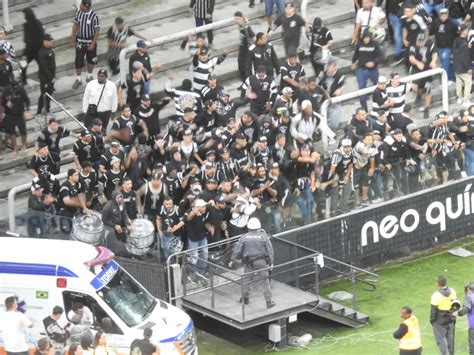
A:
169	38
11	204
66	111
304	9
6	16
369	90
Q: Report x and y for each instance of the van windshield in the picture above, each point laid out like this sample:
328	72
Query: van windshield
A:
130	301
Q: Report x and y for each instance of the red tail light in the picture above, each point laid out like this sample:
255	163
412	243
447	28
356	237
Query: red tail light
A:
61	282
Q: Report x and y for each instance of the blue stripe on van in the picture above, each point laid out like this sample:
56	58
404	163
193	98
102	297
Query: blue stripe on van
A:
7	267
175	338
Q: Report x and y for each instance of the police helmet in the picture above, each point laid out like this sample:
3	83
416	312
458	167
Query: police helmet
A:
254	223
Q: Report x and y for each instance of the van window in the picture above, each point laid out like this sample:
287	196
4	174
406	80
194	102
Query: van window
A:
130	301
72	297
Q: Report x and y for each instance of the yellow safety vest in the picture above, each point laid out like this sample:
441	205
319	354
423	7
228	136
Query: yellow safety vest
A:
412	339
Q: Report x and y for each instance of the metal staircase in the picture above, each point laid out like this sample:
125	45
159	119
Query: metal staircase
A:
339	313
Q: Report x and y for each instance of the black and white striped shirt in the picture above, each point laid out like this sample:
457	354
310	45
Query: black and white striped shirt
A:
201	71
118	37
87	24
184	98
202	7
398	95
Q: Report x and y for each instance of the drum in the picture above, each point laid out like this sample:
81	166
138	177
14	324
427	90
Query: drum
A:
141	237
88	228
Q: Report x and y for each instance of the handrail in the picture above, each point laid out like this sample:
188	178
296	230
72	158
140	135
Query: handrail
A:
168	38
369	90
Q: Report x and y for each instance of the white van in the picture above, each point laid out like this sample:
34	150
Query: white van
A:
44	273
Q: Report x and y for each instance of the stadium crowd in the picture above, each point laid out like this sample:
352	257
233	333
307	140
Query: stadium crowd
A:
202	176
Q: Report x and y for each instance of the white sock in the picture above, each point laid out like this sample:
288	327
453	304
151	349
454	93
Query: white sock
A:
78	77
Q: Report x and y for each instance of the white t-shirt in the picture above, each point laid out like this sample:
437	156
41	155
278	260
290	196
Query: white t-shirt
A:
87	316
13	326
362	18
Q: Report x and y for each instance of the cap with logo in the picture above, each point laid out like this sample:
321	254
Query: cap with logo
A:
47	37
141	44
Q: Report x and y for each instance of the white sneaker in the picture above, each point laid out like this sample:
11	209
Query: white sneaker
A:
463	174
450	82
466	104
459	100
377	200
421	109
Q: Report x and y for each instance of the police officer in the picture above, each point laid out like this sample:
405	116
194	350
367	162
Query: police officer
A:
468	309
256	251
442	318
408	334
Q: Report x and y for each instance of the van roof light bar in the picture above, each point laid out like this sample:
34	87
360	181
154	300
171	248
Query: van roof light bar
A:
104	255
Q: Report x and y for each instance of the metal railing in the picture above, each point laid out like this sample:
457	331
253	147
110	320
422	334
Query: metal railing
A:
369	90
168	38
299	266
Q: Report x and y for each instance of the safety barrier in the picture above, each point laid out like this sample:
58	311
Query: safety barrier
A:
369	90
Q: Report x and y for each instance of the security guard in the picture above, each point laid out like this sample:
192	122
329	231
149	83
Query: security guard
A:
408	334
442	318
256	251
468	309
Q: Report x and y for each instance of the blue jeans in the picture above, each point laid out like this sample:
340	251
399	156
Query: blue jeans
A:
432	8
445	58
269	4
396	24
334	115
469	161
203	254
147	88
363	76
305	203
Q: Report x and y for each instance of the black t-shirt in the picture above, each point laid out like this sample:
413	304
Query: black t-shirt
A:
169	218
85	151
295	72
291	26
52	139
321	37
130	202
195	228
414	27
68	190
106	158
142	347
49	163
130	124
423	54
399	120
445	32
6	74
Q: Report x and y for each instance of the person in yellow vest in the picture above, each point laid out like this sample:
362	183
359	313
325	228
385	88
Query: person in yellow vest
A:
408	333
442	318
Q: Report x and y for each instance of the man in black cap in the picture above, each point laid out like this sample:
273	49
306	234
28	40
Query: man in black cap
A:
44	161
106	158
365	61
100	99
321	42
46	73
144	346
208	117
84	36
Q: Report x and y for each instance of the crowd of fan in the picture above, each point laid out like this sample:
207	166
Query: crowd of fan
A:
220	160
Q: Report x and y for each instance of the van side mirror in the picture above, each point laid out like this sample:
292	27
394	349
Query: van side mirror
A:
107	325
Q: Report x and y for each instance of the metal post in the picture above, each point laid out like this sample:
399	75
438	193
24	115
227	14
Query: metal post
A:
66	111
297	283
169	38
211	272
353	281
6	16
316	275
242	299
283	334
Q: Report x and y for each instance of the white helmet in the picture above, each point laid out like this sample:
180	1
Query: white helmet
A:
254	223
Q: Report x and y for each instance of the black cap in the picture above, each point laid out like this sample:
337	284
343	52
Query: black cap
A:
86	3
3	51
188	110
261	69
204	51
211	181
115	143
219	199
147	332
194	180
208	103
85	133
317	23
146	97
157	165
212	76
210	152
209	165
397	131
41	145
47	37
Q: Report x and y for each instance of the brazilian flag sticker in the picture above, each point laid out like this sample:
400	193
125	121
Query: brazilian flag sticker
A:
42	295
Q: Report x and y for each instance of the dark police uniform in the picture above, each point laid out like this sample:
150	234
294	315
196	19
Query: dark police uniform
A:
256	251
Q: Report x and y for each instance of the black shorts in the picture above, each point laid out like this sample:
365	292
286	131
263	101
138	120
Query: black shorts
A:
361	176
81	51
446	162
12	122
424	83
